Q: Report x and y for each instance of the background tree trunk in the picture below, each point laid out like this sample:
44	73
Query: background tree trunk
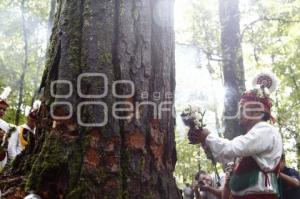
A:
39	61
233	69
51	17
25	66
132	158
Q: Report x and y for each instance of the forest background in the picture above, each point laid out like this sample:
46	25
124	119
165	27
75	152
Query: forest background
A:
270	39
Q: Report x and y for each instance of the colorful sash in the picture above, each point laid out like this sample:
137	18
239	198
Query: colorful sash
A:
24	137
248	174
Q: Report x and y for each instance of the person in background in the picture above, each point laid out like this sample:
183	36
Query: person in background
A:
226	192
187	192
4	127
205	187
23	136
289	181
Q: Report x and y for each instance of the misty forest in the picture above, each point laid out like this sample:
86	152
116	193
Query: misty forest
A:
110	99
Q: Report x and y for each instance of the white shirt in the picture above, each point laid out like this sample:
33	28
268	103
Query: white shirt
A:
14	144
4	126
263	142
187	193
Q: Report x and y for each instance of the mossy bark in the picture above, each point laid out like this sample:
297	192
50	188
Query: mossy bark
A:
233	68
133	158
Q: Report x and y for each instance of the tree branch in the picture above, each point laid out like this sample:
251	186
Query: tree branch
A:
265	18
294	81
209	54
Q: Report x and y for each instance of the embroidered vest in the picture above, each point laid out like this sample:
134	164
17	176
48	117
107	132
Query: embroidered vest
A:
247	173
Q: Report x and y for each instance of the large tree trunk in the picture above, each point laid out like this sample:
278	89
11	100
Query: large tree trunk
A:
233	69
132	158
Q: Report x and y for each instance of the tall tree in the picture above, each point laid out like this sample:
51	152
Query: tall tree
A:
51	17
39	60
132	158
25	65
233	69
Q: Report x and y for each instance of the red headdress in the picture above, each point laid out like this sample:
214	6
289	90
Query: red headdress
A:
264	83
3	102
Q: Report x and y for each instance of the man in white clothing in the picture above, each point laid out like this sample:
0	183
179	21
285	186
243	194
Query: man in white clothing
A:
23	136
4	128
259	149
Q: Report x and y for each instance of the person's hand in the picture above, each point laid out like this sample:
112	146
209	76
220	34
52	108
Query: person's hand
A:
290	180
281	165
197	136
196	187
205	188
227	180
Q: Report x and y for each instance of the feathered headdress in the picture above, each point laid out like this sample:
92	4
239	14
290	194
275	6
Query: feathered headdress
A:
36	105
4	95
35	108
264	84
267	81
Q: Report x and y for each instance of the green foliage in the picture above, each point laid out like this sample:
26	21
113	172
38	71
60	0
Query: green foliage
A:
202	31
12	48
10	116
190	158
270	40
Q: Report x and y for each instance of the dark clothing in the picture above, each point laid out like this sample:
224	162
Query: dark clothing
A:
256	196
188	193
287	191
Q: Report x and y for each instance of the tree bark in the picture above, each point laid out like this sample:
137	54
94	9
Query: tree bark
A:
128	158
233	69
51	17
25	66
